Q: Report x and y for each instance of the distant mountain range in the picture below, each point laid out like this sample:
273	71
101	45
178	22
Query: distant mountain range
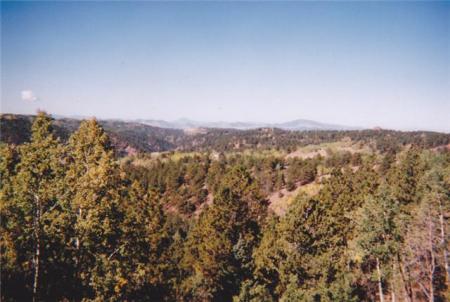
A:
185	124
298	125
131	137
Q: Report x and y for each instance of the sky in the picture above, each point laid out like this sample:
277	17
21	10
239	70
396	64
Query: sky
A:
356	64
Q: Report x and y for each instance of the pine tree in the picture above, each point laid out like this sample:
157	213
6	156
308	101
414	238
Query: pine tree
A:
220	244
142	256
36	201
379	235
405	178
93	198
426	235
305	254
10	223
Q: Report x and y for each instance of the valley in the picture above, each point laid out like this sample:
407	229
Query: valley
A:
131	210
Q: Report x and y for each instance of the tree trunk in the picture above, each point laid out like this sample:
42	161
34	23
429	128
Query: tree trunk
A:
393	298
77	239
444	243
432	259
406	288
380	285
77	246
37	252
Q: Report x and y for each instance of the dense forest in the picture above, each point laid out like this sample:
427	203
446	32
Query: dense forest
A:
223	215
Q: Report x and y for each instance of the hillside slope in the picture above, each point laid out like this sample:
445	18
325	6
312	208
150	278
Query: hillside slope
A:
133	137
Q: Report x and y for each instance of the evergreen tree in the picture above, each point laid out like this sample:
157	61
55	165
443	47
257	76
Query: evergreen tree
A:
426	244
10	225
221	240
405	177
378	234
33	207
141	255
93	200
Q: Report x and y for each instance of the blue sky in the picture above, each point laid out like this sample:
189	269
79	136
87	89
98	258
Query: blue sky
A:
365	64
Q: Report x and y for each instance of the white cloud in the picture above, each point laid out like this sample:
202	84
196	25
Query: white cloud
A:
28	95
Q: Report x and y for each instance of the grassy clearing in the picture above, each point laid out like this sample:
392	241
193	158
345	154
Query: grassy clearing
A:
147	159
258	153
279	203
323	149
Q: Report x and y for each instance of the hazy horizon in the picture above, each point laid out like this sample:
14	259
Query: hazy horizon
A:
354	64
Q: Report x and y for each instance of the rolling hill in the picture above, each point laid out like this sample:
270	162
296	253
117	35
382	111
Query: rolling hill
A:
130	137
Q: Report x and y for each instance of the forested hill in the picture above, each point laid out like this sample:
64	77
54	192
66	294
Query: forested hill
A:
359	219
132	137
126	136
